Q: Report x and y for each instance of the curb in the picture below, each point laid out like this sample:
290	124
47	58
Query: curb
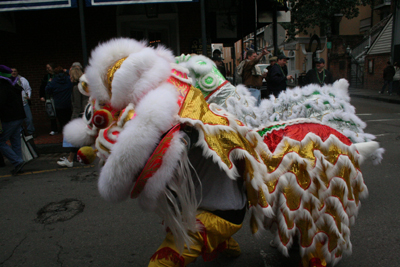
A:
388	100
52	148
57	148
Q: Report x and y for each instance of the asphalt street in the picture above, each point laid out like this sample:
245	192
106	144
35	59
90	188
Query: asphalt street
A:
52	216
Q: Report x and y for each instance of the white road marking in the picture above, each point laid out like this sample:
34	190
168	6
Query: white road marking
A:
264	256
384	120
365	114
381	134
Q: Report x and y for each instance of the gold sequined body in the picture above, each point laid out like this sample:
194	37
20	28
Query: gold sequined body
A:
307	189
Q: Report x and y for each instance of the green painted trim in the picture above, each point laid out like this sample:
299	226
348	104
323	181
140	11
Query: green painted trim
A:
265	130
8	75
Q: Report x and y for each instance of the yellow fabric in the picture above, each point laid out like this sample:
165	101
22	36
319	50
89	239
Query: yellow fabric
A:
306	151
223	142
207	242
232	248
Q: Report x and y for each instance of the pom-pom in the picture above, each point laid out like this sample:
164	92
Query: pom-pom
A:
102	118
86	155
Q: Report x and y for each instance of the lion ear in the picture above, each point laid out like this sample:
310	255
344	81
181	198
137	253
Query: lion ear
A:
139	74
104	57
165	53
83	86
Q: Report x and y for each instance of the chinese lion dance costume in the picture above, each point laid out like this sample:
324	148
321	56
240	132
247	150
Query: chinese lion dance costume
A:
174	134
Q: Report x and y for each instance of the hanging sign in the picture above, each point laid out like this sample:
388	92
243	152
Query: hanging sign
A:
19	5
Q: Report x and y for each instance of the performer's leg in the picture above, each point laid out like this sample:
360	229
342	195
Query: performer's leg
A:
215	237
167	254
232	248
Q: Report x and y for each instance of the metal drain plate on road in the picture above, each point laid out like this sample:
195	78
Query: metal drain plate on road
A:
61	211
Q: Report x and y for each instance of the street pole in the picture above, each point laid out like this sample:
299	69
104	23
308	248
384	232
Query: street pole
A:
275	30
83	34
233	56
203	28
394	28
255	25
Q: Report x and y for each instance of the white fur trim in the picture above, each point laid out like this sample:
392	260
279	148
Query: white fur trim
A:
77	133
155	115
102	58
158	182
368	149
140	73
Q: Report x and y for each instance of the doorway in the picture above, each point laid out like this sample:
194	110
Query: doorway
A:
156	30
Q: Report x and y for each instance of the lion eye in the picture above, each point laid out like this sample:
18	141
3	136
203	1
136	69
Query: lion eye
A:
89	112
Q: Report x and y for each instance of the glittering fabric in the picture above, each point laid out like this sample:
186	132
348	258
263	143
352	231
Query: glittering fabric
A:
213	237
196	108
110	73
222	142
298	132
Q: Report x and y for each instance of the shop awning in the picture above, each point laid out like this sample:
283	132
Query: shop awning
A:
125	2
17	5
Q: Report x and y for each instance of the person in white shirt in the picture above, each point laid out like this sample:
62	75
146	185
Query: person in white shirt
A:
26	95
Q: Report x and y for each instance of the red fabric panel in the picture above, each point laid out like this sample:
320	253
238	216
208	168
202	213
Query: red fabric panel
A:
299	131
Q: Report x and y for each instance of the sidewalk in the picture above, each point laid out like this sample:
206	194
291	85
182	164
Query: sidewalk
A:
49	144
373	94
53	144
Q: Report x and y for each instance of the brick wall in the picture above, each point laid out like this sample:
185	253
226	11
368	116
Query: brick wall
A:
44	36
340	62
32	46
374	80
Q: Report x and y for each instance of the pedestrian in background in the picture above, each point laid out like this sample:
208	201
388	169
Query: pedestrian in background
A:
79	102
272	62
388	74
319	75
60	88
26	96
12	115
396	78
252	76
219	61
220	65
43	96
279	76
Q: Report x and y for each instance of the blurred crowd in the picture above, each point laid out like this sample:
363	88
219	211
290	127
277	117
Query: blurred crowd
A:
62	101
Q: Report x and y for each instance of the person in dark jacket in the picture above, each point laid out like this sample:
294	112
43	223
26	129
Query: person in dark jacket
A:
43	96
388	74
319	75
79	102
60	87
279	76
219	61
272	62
12	115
